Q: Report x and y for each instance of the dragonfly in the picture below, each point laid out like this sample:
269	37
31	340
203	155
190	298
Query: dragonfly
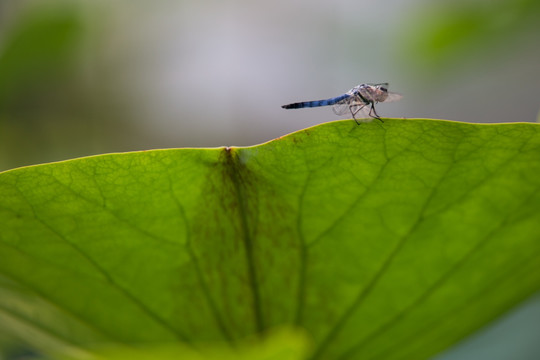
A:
359	98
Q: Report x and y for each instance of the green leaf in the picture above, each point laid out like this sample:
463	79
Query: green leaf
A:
277	345
380	241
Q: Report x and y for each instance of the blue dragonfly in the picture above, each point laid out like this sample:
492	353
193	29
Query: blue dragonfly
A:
359	98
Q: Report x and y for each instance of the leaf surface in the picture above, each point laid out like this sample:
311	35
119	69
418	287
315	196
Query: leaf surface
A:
380	241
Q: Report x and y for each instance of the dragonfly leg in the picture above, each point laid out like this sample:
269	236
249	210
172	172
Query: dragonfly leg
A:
373	111
354	112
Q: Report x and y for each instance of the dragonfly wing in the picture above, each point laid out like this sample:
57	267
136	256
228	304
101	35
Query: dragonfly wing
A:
341	108
385	85
393	97
344	107
350	106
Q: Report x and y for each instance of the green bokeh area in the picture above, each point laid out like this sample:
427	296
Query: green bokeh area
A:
381	241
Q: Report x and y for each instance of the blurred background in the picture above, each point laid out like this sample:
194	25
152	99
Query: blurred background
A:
84	77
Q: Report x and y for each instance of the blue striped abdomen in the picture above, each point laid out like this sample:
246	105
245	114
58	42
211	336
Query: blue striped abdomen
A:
316	103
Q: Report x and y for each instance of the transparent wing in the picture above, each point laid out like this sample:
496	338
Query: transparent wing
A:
393	97
341	107
348	106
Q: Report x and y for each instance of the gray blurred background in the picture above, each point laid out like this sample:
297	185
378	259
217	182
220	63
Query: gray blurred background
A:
86	77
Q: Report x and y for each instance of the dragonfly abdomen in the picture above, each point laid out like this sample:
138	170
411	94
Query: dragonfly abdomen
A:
316	103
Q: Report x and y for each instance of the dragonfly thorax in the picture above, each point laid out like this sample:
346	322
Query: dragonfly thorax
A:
372	93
